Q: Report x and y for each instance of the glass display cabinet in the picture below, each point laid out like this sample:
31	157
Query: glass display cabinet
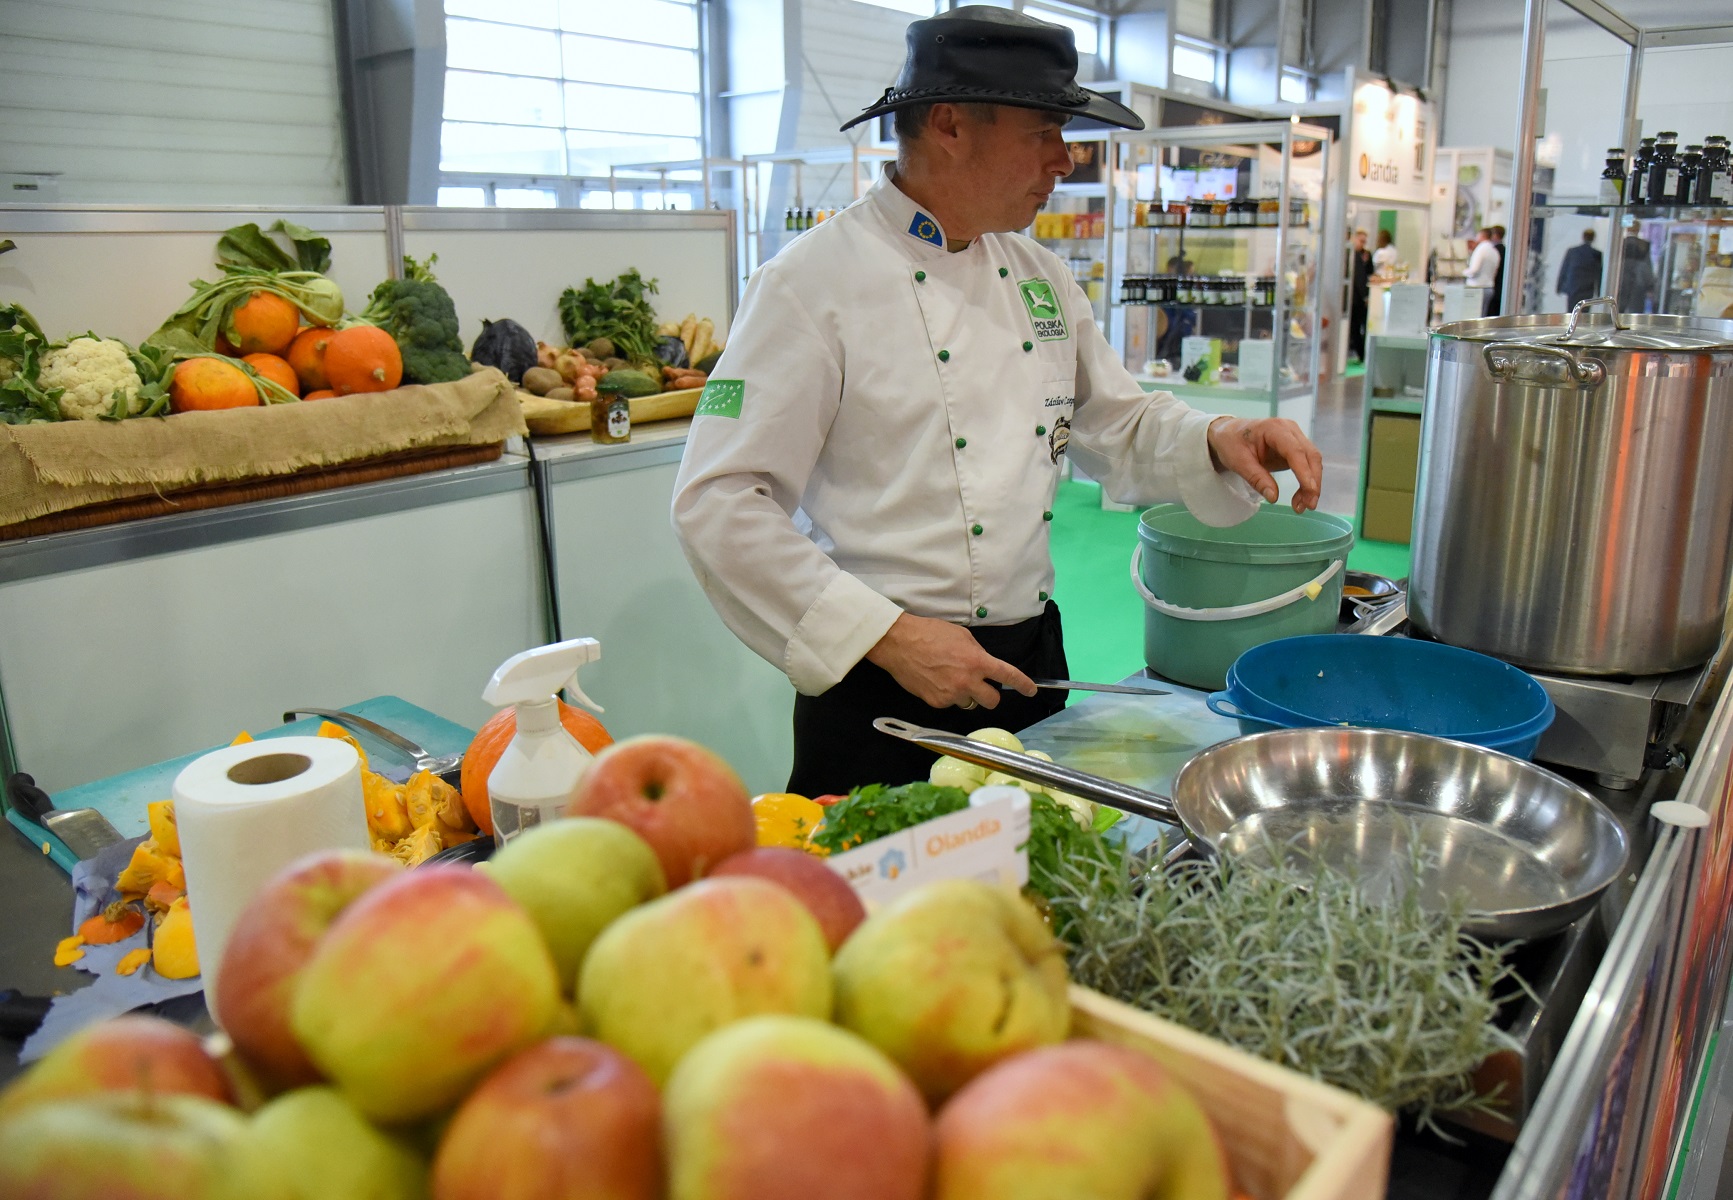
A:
1213	245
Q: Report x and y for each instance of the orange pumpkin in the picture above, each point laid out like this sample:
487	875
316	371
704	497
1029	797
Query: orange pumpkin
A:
492	739
362	358
265	324
321	394
307	356
276	369
115	923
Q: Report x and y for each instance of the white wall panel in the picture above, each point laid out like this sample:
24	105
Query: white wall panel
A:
850	52
173	101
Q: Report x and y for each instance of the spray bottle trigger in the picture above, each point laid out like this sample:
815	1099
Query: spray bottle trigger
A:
577	693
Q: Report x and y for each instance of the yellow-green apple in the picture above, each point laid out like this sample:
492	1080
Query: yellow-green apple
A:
130	1053
789	1108
668	973
949	979
1081	1119
419	988
567	1119
128	1146
271	942
682	799
323	1149
827	895
574	877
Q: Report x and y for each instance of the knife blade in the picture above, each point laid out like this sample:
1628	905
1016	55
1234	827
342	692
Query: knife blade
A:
85	831
438	764
1073	685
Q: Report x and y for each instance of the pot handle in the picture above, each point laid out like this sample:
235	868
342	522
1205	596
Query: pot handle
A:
1547	366
1584	306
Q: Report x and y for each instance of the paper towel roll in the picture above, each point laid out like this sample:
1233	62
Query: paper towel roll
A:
245	812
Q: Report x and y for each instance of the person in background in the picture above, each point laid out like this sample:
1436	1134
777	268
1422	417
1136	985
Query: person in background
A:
1384	257
1360	277
1483	263
1495	298
1637	277
1579	275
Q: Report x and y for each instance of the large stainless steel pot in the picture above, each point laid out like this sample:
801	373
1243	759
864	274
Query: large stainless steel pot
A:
1575	503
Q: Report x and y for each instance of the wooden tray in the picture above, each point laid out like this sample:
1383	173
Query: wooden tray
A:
1287	1137
221	495
546	416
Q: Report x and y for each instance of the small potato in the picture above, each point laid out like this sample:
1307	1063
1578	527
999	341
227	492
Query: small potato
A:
615	364
562	393
541	380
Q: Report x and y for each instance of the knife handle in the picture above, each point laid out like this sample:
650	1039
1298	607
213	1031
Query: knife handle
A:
24	797
21	1014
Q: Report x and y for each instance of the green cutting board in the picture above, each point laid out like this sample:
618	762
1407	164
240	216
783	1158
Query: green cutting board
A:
122	798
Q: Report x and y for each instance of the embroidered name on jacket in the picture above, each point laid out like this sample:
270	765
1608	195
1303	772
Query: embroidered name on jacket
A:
1045	315
926	229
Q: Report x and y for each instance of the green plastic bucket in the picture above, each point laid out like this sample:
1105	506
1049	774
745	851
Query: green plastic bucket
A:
1211	594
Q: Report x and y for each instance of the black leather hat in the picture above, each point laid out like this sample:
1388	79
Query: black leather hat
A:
979	54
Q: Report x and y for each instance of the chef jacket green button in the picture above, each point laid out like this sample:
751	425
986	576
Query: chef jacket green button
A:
961	442
1028	346
982	611
944	356
1003	272
920	276
978	531
1041	596
1040	431
1047	516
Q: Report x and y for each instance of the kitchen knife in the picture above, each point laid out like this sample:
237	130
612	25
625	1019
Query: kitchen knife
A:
1072	685
443	765
84	830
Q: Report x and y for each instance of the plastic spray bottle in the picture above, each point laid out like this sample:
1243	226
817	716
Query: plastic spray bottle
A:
536	776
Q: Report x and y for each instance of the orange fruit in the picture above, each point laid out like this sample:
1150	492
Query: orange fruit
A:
277	370
362	358
265	324
492	739
320	394
307	356
200	384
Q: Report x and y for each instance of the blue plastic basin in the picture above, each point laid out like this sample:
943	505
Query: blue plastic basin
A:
1386	683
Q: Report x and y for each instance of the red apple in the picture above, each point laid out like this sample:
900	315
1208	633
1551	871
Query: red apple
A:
132	1053
827	895
1079	1119
682	799
791	1108
567	1119
420	988
270	944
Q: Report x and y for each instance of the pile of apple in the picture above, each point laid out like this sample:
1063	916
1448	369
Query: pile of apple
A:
627	1004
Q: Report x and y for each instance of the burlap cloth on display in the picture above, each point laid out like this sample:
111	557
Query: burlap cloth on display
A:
71	464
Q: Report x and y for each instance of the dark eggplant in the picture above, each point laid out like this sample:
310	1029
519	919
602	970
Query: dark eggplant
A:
507	345
671	352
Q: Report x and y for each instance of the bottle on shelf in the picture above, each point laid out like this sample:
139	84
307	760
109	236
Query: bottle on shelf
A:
1664	170
1690	163
806	222
1715	181
788	220
1637	186
1613	178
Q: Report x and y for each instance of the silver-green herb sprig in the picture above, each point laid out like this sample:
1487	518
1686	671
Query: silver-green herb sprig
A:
1297	965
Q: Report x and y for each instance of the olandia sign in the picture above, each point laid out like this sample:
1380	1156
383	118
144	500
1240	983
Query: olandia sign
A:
1391	146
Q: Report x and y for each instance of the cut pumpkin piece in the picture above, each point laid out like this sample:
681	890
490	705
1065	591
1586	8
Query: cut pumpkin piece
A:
148	867
328	729
242	738
418	800
115	923
387	819
68	951
132	960
449	807
162	895
175	955
163	830
421	845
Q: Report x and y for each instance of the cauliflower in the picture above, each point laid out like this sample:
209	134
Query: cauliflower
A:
98	376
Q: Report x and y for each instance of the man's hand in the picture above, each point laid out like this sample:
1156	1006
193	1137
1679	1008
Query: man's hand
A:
1252	449
943	664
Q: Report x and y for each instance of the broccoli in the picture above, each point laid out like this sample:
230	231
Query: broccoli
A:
419	315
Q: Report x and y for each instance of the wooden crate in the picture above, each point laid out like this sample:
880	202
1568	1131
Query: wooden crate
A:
1287	1137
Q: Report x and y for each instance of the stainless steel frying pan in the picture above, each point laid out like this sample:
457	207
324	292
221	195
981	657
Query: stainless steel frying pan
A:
1532	851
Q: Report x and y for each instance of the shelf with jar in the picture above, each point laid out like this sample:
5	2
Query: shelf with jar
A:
1213	250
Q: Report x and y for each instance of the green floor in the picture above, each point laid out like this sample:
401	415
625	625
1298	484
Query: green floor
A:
1103	614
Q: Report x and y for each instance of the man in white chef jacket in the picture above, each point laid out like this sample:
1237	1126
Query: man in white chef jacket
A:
867	490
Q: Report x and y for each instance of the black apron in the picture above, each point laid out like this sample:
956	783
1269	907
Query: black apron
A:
836	747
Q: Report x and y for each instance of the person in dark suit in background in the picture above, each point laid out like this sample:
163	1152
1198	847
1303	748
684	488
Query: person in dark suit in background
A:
1637	279
1360	276
1495	298
1579	275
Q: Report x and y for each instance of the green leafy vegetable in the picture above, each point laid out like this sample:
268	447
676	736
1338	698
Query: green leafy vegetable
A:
1298	965
211	310
1056	838
23	400
619	311
249	246
877	811
421	317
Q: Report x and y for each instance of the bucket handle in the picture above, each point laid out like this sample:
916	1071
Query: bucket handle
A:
1256	608
1222	705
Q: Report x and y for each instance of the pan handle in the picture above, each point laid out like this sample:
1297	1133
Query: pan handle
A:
1021	766
1543	366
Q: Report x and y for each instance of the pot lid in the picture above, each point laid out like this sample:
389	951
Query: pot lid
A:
1598	331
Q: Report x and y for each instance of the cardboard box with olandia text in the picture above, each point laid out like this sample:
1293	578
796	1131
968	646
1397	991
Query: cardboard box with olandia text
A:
985	841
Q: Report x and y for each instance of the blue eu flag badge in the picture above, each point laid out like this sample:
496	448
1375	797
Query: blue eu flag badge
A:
927	229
